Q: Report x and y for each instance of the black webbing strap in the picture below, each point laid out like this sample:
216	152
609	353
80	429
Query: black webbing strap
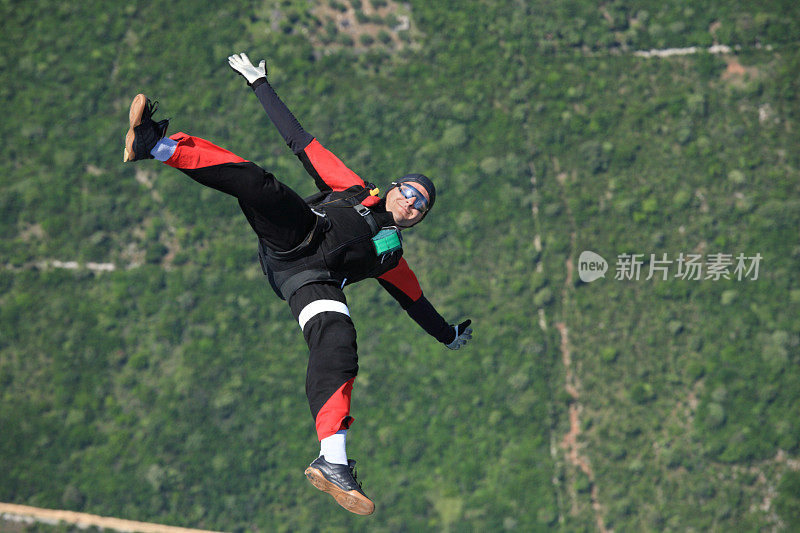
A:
303	278
321	223
367	215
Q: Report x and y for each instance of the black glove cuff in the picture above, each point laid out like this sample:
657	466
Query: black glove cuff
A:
260	81
455	334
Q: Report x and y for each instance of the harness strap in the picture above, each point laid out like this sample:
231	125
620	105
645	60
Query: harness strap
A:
321	223
262	258
305	277
367	215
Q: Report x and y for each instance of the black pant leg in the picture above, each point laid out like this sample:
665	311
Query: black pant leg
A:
321	309
275	212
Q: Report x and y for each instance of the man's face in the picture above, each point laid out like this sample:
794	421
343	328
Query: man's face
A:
402	208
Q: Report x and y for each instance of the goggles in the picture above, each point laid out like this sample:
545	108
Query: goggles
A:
420	202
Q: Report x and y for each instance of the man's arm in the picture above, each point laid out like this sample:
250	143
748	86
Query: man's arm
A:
329	173
288	126
402	284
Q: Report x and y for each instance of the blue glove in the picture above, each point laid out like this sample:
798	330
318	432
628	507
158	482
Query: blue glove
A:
463	334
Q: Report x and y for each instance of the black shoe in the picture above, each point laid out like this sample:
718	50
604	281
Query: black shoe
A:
143	133
340	482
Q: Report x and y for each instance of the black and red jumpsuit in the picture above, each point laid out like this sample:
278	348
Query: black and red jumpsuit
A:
282	220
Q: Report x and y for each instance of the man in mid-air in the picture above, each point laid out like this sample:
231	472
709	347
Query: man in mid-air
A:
310	249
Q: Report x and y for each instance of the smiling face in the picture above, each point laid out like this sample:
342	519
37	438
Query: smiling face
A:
402	209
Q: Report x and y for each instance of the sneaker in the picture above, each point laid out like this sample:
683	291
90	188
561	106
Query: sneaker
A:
340	482
143	133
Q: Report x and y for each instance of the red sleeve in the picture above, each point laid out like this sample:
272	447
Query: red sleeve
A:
328	170
401	282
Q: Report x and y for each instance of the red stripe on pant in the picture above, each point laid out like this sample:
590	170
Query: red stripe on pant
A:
335	413
194	152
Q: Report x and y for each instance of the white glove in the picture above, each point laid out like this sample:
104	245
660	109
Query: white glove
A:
241	64
463	334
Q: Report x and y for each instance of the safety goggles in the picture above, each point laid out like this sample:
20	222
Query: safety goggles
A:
420	202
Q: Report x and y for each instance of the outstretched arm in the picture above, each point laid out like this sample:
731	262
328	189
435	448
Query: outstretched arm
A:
402	284
288	126
329	173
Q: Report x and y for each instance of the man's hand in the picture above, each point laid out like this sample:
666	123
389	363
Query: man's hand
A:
241	64
463	334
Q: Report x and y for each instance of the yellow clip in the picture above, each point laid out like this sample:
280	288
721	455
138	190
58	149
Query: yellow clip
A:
374	192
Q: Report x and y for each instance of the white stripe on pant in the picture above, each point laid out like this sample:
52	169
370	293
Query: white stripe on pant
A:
321	306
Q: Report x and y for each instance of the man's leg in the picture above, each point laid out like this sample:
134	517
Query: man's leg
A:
321	310
276	213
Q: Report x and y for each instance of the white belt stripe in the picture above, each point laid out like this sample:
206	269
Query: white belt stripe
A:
320	306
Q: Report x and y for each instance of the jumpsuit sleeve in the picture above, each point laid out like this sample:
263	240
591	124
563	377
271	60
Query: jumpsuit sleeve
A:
402	284
328	171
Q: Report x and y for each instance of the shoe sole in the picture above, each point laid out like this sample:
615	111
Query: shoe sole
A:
353	501
134	119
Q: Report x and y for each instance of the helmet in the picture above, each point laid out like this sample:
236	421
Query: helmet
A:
426	183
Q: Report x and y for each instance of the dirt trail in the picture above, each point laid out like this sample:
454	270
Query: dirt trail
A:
24	513
569	443
572	384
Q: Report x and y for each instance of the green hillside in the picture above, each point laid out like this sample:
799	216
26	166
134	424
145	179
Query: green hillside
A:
171	388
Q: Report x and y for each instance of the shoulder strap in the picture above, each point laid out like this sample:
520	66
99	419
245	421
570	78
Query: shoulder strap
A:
367	215
316	198
348	197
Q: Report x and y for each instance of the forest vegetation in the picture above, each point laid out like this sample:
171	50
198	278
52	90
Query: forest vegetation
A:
168	386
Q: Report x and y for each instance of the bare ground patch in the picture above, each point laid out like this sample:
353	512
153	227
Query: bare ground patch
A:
15	515
363	25
737	74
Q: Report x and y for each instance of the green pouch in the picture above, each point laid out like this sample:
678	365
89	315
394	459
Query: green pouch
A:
387	241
